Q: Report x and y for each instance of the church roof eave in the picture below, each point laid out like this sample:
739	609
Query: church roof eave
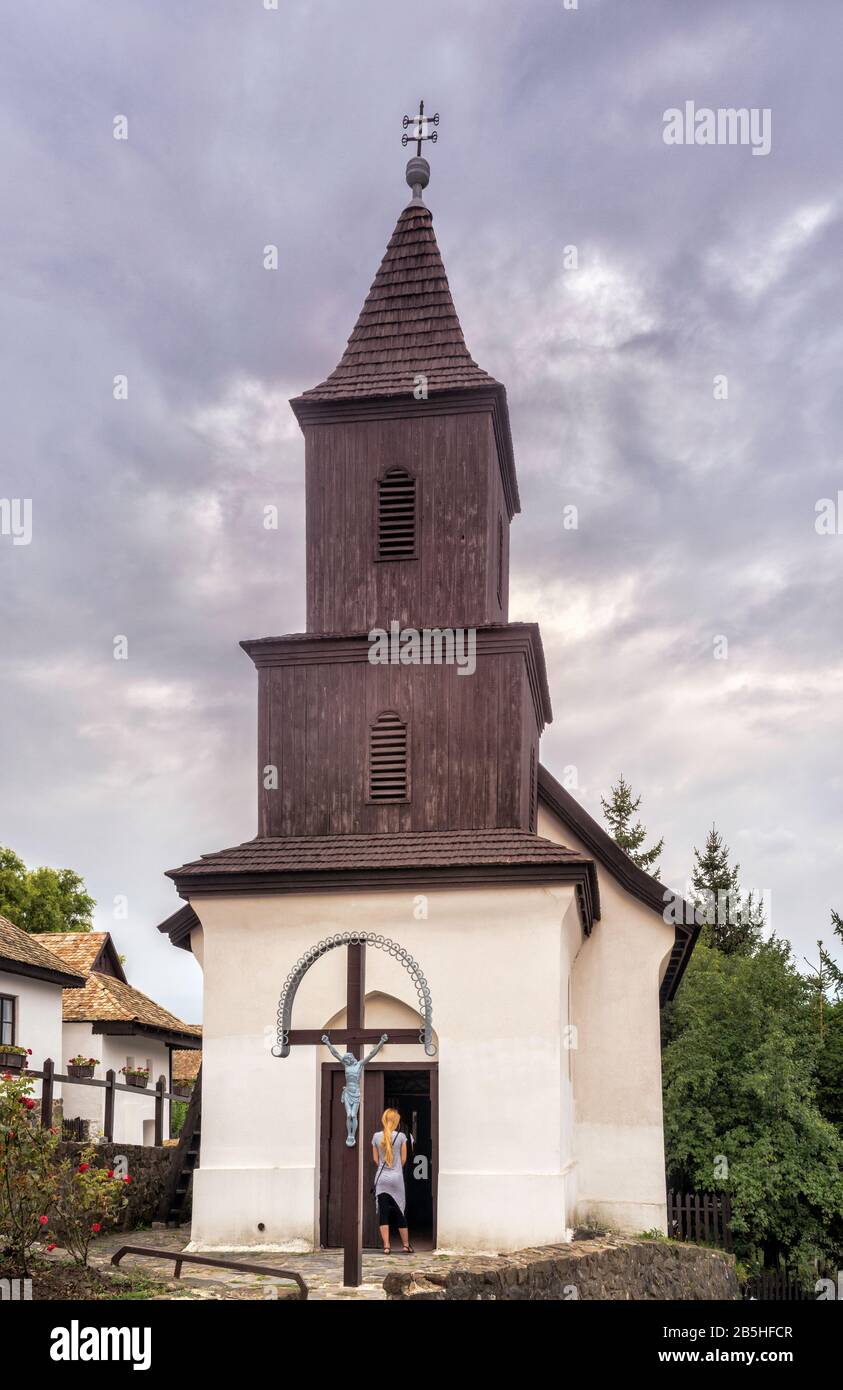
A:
341	863
634	879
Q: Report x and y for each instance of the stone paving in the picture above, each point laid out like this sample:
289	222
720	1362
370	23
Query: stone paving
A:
321	1270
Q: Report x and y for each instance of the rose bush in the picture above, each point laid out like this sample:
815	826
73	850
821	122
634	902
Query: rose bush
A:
83	1199
27	1156
42	1197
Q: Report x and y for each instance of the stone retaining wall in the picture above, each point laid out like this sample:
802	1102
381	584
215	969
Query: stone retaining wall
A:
148	1169
613	1267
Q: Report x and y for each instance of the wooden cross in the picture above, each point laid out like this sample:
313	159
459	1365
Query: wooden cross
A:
355	1035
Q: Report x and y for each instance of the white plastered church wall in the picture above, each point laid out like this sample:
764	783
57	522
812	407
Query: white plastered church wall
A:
618	1123
497	961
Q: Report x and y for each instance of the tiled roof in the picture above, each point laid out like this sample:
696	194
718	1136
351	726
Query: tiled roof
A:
186	1064
78	949
106	1000
26	949
435	849
407	326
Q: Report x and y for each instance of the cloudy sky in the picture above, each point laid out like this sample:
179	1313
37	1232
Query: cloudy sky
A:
250	126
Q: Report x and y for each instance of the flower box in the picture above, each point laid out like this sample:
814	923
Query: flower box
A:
13	1058
83	1071
139	1079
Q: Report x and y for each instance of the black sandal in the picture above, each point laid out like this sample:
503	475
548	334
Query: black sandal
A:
387	1250
408	1250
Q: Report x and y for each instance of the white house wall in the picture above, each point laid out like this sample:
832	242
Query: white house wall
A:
38	1015
619	1134
497	962
130	1110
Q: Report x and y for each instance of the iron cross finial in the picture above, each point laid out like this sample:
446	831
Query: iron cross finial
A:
420	131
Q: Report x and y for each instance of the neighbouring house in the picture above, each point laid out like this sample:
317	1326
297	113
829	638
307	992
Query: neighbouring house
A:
402	796
111	1020
186	1066
33	980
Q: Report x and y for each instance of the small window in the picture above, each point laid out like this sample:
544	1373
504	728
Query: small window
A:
7	1019
500	561
533	790
397	516
388	779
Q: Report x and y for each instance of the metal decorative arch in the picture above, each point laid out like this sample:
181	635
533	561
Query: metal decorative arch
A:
351	938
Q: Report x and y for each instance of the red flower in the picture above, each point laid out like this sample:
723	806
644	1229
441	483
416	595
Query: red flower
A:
29	1052
83	1167
127	1178
7	1076
110	1173
96	1228
30	1104
52	1246
42	1220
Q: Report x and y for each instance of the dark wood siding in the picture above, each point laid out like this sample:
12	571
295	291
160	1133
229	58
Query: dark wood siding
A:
453	580
469	741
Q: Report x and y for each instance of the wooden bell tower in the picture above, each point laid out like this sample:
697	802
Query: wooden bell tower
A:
410	493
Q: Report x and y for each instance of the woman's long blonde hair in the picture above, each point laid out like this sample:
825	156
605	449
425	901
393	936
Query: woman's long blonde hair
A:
390	1119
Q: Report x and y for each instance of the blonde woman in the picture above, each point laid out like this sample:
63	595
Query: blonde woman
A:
389	1154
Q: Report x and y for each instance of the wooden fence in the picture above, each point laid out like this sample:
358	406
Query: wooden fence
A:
706	1219
702	1217
48	1077
779	1286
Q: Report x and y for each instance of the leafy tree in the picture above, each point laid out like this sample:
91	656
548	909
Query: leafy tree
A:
830	966
731	922
830	1067
43	899
828	978
619	811
741	1110
178	1115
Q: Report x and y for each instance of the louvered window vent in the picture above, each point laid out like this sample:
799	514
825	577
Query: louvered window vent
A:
388	773
396	516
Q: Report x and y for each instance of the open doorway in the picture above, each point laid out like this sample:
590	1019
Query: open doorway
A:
410	1088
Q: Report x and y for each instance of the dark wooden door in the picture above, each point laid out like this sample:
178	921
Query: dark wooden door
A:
393	1083
333	1149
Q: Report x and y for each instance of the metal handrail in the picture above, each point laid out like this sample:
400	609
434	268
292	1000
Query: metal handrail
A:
180	1258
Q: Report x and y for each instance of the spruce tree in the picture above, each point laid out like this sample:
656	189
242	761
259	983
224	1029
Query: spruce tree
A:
619	811
732	923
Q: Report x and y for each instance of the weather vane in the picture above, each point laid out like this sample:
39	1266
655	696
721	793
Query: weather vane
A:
420	124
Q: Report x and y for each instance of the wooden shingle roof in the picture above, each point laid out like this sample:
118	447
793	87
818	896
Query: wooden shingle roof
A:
82	950
23	953
423	849
186	1064
407	326
107	1000
411	860
106	997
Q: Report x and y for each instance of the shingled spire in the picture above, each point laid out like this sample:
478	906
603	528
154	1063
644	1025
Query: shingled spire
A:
408	326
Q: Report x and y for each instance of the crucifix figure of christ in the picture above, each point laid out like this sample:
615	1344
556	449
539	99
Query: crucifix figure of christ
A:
356	1035
351	1091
